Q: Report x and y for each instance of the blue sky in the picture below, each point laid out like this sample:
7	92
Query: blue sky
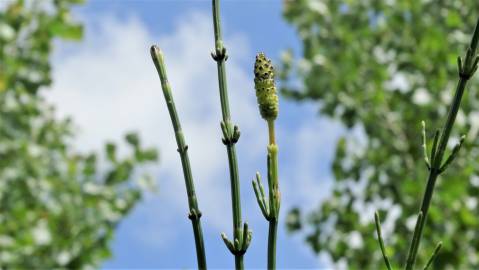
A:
121	88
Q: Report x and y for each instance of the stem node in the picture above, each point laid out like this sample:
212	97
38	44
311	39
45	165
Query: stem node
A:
194	214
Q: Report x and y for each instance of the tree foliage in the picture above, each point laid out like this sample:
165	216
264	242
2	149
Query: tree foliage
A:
58	208
380	67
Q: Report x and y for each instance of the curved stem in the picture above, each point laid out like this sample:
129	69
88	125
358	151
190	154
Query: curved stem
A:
195	213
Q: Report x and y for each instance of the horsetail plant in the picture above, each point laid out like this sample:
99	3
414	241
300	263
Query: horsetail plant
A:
268	107
195	213
241	233
434	162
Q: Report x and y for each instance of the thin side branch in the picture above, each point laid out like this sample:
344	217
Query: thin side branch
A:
424	146
433	256
381	242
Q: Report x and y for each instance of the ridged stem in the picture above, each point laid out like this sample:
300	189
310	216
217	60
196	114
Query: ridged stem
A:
231	136
195	213
466	70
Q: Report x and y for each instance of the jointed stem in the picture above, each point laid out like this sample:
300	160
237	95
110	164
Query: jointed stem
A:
466	70
231	134
274	204
195	213
274	195
268	107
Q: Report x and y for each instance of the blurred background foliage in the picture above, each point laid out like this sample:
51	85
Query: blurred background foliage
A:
58	207
380	67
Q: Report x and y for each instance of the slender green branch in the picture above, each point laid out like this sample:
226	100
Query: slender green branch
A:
424	146
381	242
260	197
195	213
466	70
433	256
416	236
434	145
453	154
231	134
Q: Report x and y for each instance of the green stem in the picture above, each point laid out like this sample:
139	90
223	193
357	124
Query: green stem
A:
466	70
274	195
273	229
235	192
381	242
231	137
239	264
271	133
195	213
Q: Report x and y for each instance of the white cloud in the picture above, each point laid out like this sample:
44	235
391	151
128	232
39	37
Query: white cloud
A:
109	86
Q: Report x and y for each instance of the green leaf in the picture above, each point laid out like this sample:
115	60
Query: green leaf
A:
66	31
147	155
133	139
111	151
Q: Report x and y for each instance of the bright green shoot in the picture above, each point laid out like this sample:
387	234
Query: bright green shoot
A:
435	162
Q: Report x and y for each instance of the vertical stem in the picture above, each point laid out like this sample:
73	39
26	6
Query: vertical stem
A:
225	109
220	57
466	70
434	172
273	228
272	139
274	197
235	192
195	213
239	264
220	62
200	246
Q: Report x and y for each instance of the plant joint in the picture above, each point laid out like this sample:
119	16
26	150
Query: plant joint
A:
231	133
182	150
194	214
241	243
219	54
